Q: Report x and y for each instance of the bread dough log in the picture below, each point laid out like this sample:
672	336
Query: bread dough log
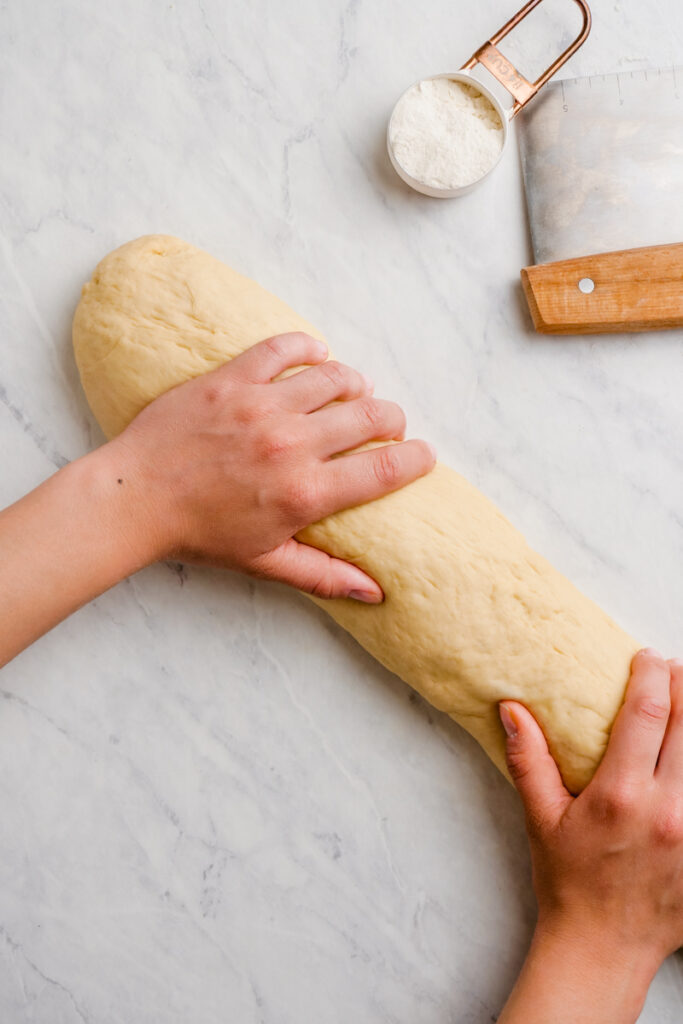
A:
472	615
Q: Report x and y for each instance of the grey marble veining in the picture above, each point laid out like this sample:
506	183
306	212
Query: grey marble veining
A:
215	806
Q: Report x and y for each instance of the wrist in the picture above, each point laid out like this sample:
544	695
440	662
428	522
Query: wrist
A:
114	491
595	966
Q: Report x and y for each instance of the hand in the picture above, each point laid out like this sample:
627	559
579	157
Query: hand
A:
224	469
608	865
231	465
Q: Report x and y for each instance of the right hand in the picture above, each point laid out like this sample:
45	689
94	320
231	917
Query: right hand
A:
231	465
608	864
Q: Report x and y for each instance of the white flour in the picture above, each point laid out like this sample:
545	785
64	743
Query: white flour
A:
445	133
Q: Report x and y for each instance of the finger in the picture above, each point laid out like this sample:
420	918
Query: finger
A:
670	765
260	363
531	766
364	476
638	731
318	573
350	424
312	389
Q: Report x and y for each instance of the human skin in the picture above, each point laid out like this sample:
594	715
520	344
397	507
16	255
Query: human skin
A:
223	470
608	864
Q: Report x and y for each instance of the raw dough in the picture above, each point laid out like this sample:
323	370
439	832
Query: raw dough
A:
472	615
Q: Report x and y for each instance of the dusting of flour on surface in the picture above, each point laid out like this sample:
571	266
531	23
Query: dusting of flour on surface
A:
445	133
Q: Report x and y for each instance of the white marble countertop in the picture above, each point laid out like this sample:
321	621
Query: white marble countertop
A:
215	806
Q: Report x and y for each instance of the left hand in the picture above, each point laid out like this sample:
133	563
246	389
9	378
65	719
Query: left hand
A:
224	469
229	467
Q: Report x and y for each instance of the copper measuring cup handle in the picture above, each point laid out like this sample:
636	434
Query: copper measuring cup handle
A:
507	74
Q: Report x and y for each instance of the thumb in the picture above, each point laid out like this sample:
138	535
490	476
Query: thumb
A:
531	766
315	572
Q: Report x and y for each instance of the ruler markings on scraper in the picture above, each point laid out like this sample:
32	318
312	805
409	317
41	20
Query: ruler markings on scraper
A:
568	85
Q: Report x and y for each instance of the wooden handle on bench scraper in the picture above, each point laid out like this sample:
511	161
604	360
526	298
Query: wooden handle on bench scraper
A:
631	290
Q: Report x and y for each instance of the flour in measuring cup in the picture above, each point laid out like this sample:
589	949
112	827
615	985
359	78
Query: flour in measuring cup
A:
445	133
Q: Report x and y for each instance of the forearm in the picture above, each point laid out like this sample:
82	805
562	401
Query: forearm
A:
567	981
65	543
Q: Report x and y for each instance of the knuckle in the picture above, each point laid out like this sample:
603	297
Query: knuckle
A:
614	803
334	373
323	588
247	413
368	414
667	829
274	446
212	391
651	710
518	764
387	467
276	346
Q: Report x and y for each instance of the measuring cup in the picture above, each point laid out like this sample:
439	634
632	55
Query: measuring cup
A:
521	90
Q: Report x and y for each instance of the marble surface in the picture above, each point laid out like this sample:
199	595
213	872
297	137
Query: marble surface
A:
215	806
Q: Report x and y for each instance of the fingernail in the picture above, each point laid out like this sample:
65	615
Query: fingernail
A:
322	347
366	596
508	720
431	448
369	383
676	662
650	652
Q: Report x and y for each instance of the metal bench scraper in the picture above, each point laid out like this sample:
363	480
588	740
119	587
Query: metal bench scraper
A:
602	159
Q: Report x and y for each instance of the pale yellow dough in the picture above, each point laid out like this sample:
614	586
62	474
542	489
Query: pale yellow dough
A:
472	615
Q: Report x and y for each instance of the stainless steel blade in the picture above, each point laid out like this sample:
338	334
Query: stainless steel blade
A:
602	159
